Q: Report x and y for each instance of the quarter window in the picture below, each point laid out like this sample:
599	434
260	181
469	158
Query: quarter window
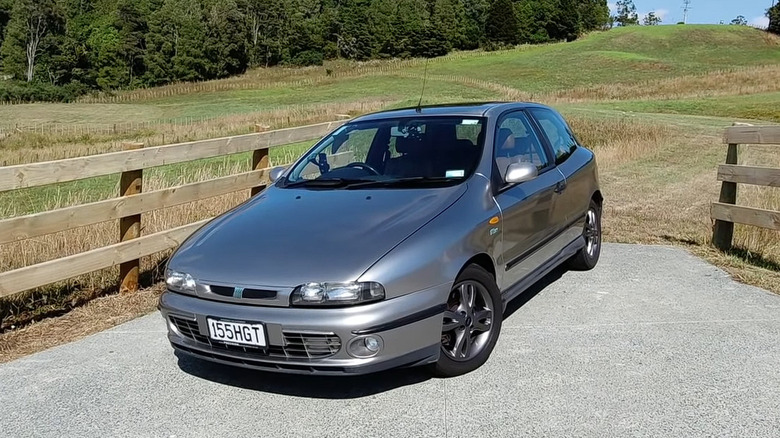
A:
558	133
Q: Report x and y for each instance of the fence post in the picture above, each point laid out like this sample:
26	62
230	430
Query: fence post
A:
130	183
722	231
260	159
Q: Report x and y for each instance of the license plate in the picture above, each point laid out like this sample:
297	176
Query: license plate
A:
236	332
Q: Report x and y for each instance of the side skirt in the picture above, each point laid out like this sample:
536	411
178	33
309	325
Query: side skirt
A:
518	288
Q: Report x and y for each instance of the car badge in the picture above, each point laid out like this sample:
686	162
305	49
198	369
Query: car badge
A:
238	292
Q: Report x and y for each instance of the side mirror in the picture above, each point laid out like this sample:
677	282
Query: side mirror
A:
520	172
276	173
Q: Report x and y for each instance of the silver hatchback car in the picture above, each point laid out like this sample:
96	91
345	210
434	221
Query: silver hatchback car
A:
397	240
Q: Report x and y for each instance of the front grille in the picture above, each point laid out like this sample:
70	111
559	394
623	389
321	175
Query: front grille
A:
297	345
311	345
251	294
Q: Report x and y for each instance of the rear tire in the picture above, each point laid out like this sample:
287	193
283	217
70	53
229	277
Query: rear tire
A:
588	256
471	324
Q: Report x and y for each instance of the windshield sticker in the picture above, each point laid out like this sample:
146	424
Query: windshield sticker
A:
470	122
455	174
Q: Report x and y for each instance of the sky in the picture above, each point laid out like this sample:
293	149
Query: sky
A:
705	11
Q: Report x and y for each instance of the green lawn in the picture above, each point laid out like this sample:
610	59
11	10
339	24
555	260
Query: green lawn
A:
762	107
632	55
623	55
37	199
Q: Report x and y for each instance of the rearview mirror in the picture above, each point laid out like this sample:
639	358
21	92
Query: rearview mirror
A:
276	173
521	172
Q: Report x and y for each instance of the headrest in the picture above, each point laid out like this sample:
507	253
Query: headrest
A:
405	145
503	134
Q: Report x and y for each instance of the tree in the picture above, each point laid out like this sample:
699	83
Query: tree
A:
566	21
225	45
133	27
626	13
651	19
5	15
739	21
444	19
472	23
28	32
774	19
176	37
267	22
501	26
594	15
354	39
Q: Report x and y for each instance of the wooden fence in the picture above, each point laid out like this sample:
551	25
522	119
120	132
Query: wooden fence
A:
132	201
725	212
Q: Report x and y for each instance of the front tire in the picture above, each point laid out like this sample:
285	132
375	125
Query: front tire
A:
588	256
472	323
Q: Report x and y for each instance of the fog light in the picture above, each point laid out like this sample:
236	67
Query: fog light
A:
372	344
365	347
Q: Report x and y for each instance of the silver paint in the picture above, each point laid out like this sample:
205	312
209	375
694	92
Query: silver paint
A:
414	242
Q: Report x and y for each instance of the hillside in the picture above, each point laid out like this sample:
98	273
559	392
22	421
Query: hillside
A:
658	62
652	103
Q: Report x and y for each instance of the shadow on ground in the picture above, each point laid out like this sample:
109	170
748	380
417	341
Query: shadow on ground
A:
347	387
325	387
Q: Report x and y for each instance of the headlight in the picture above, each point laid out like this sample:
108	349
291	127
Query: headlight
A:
336	294
180	282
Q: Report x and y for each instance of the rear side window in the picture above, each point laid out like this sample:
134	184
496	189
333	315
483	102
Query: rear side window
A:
557	131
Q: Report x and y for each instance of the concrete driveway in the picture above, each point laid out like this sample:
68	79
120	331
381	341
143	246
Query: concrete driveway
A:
654	342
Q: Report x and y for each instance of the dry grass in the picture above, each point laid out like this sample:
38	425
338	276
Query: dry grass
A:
658	180
751	80
30	147
759	242
623	139
99	314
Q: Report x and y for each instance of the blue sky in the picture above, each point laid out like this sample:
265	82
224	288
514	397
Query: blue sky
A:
705	11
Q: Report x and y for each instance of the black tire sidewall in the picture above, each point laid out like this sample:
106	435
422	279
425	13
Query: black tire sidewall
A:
447	367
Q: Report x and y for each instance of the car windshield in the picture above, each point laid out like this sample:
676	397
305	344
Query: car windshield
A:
393	153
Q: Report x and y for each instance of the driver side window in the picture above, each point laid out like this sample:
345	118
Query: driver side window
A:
516	142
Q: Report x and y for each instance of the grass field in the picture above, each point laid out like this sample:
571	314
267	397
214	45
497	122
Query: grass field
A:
651	101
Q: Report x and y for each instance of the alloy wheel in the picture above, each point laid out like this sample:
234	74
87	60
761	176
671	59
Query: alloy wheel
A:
592	233
468	321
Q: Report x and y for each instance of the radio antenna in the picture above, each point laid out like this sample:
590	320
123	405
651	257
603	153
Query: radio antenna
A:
422	93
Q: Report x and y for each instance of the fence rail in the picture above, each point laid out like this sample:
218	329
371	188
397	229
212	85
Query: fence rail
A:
726	213
132	201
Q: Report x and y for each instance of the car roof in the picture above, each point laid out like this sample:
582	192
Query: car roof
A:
480	109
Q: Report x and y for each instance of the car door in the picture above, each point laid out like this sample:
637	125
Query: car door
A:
573	198
526	207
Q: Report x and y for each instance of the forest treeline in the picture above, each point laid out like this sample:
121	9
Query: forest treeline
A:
59	49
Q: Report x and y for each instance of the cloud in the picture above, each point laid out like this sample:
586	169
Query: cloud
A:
662	13
760	22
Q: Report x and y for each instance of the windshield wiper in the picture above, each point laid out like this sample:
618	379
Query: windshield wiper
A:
328	182
403	182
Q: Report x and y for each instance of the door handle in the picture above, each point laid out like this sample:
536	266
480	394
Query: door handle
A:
560	187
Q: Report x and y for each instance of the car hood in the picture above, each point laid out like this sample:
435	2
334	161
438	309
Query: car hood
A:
287	237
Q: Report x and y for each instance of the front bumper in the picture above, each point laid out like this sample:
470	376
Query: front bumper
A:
314	341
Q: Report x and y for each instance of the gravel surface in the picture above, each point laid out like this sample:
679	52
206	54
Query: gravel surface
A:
653	342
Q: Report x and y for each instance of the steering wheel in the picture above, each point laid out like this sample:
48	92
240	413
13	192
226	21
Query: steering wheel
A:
364	166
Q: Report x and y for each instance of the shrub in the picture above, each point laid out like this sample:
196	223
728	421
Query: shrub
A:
18	91
307	57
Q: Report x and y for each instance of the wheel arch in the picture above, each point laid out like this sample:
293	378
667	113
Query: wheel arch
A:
598	198
484	261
